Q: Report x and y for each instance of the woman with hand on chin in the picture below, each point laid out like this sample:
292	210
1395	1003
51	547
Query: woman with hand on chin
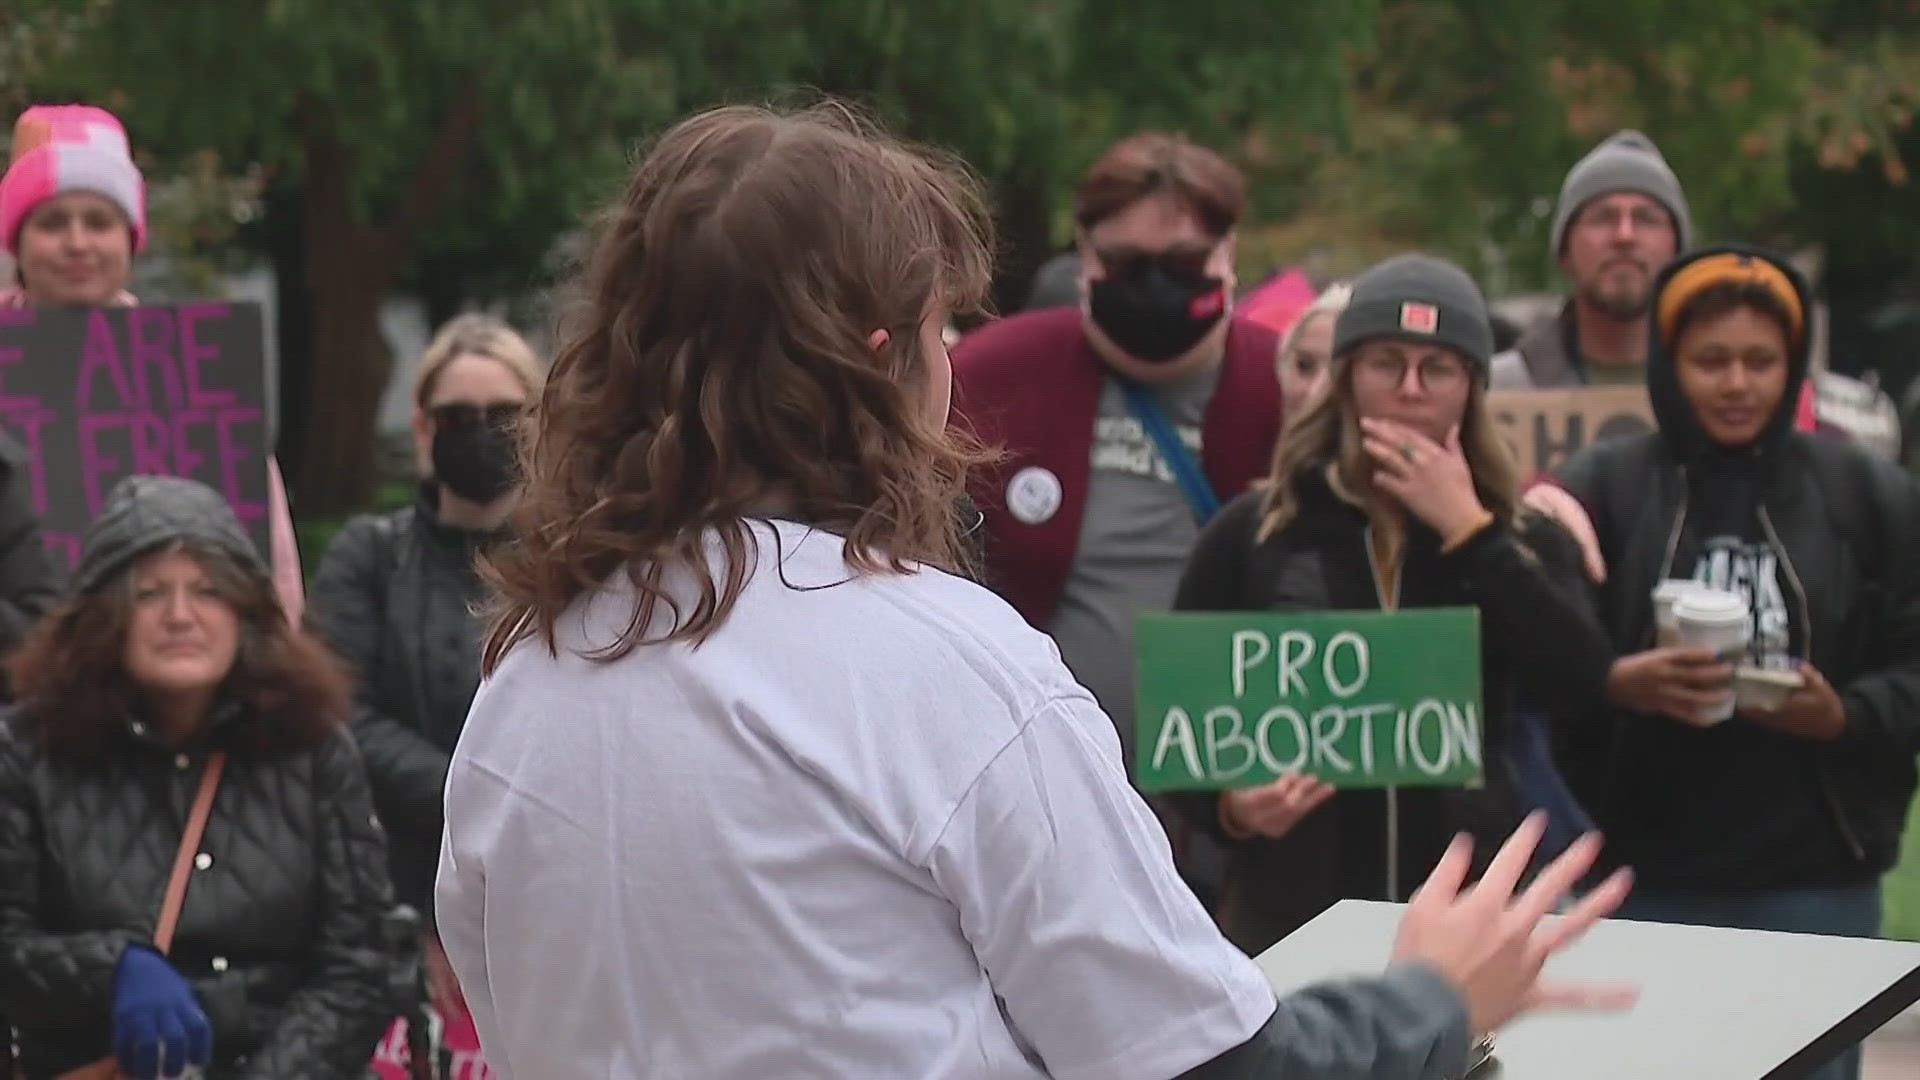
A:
1393	491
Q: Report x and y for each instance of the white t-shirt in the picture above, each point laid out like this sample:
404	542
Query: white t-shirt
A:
868	829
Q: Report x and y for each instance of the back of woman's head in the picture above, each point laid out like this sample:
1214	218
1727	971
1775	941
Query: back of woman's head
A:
721	365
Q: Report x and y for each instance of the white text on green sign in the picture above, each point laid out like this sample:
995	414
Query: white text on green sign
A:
1359	699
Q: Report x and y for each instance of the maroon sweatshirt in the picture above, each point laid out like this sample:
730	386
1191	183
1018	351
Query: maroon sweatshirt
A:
1030	386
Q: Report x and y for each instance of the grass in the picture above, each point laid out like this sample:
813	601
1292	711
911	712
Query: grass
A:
1902	888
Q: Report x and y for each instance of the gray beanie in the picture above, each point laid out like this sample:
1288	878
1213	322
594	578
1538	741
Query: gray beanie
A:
1624	161
1418	298
145	513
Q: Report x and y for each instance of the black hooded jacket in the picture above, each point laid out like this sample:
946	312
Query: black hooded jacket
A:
1816	527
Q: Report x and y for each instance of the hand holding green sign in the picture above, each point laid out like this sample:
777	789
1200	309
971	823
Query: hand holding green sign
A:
1358	699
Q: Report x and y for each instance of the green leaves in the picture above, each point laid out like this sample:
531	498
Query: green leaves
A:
1365	124
1467	117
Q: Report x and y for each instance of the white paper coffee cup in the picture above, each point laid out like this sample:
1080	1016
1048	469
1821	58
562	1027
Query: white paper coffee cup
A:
1665	631
1712	619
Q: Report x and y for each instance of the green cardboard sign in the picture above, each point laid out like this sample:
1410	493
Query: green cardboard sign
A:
1356	698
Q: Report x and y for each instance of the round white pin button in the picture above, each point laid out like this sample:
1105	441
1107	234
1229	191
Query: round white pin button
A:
1034	495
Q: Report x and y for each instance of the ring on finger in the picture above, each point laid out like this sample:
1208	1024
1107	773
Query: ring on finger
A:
1406	451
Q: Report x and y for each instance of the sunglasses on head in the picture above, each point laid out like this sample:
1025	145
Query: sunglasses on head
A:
457	415
1121	262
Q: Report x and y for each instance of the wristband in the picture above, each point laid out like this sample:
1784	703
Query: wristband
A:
1456	543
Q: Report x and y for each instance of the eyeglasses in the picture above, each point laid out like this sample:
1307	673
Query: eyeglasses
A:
464	415
1124	262
1437	371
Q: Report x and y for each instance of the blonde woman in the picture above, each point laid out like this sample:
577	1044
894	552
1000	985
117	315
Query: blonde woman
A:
395	591
1306	352
1392	490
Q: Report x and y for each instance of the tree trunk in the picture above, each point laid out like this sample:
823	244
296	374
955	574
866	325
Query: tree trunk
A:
1025	228
444	294
351	366
345	280
284	232
349	267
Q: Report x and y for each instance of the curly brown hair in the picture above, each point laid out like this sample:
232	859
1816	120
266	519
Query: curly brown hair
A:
70	679
721	369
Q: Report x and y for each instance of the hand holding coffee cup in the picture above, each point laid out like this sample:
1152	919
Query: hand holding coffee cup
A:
1711	619
1689	677
1683	682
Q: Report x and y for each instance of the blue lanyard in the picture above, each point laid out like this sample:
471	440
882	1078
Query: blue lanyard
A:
1180	460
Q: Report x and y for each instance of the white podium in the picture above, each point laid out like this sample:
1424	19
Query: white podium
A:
1715	1004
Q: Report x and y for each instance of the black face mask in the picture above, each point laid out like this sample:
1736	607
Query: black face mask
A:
1157	314
475	462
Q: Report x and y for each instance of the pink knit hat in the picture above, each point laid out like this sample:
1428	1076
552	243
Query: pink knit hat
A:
62	148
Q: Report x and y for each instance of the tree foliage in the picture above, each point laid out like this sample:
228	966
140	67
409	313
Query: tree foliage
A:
1027	93
372	124
442	146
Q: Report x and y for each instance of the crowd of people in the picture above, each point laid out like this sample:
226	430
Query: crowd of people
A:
254	936
751	692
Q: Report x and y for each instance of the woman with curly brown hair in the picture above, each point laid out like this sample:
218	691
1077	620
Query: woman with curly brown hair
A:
191	874
756	785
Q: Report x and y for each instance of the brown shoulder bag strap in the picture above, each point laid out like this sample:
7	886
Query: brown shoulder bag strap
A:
107	1068
189	847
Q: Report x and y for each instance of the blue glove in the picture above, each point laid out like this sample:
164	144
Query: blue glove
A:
157	1022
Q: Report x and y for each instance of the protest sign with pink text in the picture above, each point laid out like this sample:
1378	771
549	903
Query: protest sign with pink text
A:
96	394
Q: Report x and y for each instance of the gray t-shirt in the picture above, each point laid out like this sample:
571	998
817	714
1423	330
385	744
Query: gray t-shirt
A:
1134	542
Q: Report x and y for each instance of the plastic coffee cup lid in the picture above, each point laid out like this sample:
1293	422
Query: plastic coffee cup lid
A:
1711	607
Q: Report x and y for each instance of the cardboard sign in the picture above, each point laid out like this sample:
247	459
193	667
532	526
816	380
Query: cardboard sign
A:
1546	427
96	394
1356	698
